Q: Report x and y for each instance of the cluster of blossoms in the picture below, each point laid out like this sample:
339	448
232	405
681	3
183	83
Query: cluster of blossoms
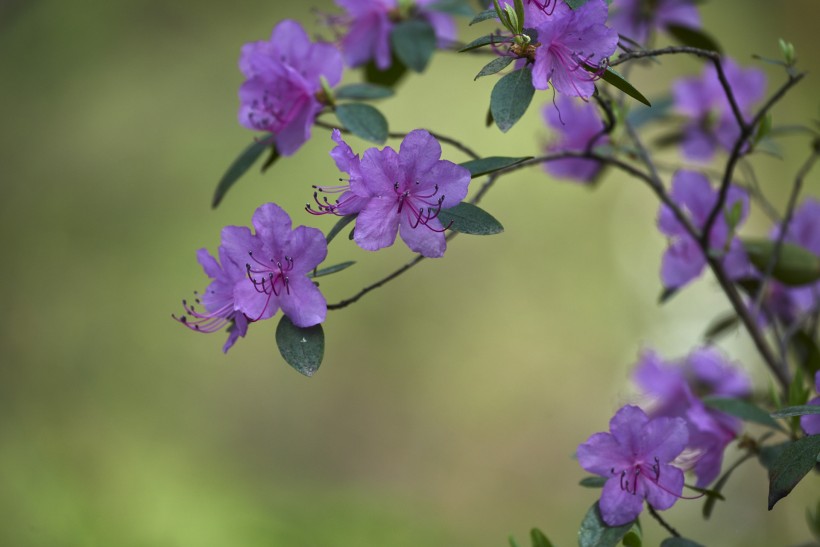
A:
645	455
259	274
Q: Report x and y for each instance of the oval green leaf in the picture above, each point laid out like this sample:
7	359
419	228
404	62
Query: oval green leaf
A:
741	409
388	77
689	36
239	166
539	539
467	218
594	532
793	463
799	410
485	166
331	269
612	77
511	97
414	42
301	348
484	15
593	482
339	226
363	92
496	65
490	39
363	121
796	265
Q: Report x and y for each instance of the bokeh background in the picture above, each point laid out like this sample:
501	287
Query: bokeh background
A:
450	401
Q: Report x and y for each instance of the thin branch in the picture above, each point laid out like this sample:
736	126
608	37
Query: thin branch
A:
398	135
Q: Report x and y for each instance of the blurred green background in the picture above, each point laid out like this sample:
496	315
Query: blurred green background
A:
450	401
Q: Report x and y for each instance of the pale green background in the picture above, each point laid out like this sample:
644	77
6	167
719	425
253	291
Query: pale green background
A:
449	403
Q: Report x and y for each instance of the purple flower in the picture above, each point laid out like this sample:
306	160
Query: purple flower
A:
704	101
579	127
636	19
283	83
789	303
218	299
811	422
676	389
683	260
276	263
635	457
571	40
397	193
371	21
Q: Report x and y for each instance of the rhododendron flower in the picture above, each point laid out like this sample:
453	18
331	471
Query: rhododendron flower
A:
811	422
676	389
704	100
579	127
397	192
371	21
218	299
636	19
635	458
571	40
683	260
789	303
283	83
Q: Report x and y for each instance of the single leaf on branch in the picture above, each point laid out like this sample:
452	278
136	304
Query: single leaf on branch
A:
483	16
301	348
239	166
489	40
388	77
467	218
799	410
485	166
746	411
511	97
363	91
339	226
496	65
539	539
693	37
721	326
795	265
612	77
414	42
594	532
331	269
593	482
793	463
363	121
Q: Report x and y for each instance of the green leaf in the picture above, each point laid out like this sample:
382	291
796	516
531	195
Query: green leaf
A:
453	7
594	532
741	409
330	269
797	459
513	543
488	40
539	539
339	226
633	538
767	455
273	157
488	120
806	352
593	482
363	121
796	265
799	410
693	38
764	128
388	77
363	92
510	98
721	326
484	15
239	166
496	65
575	4
485	166
302	348
612	77
667	293
467	218
679	542
414	42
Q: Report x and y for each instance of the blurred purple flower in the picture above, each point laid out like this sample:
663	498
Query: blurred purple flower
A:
637	19
704	101
370	22
280	94
683	260
579	127
397	193
571	40
676	389
811	422
218	299
635	458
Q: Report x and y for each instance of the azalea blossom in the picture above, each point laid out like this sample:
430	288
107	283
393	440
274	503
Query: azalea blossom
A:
370	22
703	99
635	457
637	19
397	193
578	127
683	260
676	389
282	92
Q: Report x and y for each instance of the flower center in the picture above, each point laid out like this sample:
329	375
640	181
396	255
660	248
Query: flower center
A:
270	277
420	205
630	476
